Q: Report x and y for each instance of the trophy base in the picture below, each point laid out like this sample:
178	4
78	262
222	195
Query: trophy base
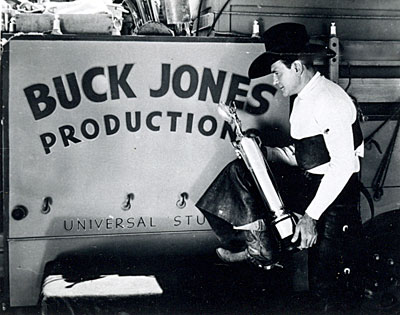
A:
284	227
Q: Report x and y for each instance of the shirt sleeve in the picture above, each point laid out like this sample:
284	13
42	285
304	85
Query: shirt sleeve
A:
338	136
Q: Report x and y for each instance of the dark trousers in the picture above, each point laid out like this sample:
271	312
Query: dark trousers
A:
334	262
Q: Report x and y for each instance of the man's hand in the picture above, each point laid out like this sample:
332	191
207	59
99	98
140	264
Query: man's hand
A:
306	227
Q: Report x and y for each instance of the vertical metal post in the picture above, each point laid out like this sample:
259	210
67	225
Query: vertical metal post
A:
141	11
1	22
154	9
334	62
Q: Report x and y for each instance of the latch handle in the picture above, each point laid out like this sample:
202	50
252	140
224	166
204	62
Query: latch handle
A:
127	204
181	203
47	201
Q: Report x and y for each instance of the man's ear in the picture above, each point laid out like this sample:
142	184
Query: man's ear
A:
298	67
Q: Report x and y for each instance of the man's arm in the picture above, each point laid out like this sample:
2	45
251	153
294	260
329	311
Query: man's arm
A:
339	142
338	136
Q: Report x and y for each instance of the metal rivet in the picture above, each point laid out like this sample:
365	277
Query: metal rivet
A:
19	212
345	228
346	271
377	257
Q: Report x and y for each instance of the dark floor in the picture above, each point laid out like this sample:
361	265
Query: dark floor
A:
197	285
203	285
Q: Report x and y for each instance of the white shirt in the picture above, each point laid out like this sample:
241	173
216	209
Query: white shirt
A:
323	107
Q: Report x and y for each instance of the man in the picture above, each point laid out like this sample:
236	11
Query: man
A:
327	146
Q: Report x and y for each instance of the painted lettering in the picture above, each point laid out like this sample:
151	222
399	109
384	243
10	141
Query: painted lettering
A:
73	90
98	223
257	94
188	220
120	82
91	129
48	140
141	222
38	94
177	81
149	121
87	86
188	217
67	133
129	126
189	122
110	223
201	220
185	83
81	224
177	220
43	104
228	129
174	116
118	223
235	90
213	125
111	124
131	223
85	129
165	79
68	228
208	84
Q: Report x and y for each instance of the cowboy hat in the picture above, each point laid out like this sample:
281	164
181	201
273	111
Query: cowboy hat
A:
284	40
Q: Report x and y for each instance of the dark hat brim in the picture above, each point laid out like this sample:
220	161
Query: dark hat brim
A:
261	66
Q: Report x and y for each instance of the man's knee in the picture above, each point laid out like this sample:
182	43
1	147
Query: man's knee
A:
236	168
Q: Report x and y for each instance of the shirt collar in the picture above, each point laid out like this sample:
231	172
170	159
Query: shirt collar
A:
310	85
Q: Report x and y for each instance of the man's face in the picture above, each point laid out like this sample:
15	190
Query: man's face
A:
286	79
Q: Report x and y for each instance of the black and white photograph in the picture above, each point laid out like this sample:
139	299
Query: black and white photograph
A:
187	157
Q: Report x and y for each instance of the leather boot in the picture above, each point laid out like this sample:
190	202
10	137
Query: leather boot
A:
231	257
260	249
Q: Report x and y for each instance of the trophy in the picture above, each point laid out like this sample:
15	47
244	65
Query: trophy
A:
248	149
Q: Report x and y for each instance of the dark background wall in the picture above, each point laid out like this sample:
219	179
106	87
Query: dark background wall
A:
356	20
